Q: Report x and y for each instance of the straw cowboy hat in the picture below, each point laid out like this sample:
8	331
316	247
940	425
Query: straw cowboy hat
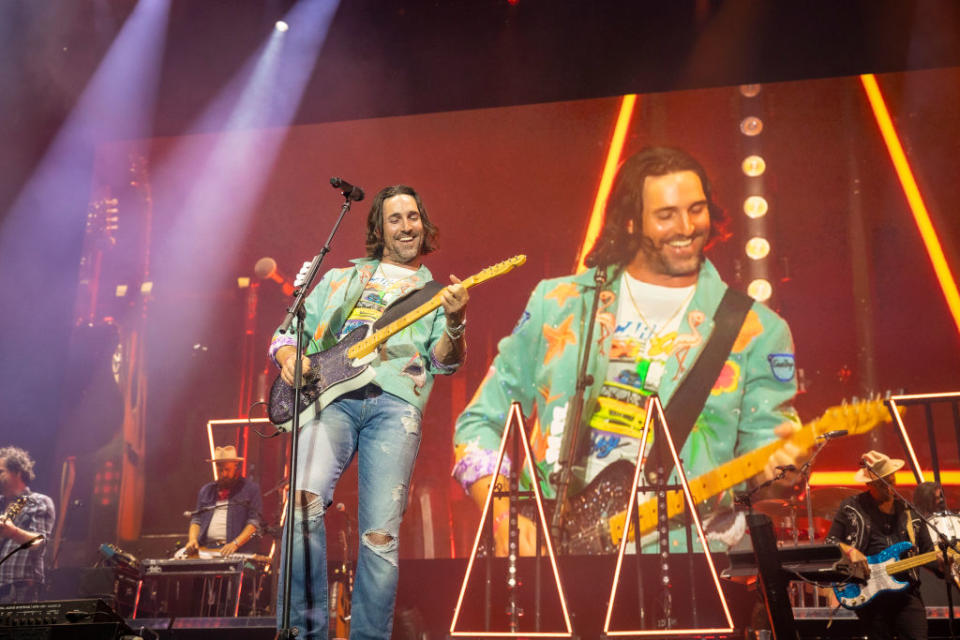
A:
225	454
876	465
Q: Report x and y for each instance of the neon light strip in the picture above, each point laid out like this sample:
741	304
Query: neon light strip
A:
898	418
906	478
210	438
927	396
912	193
514	421
627	106
654	402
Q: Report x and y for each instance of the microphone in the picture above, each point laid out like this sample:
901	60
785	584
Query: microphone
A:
349	191
830	435
266	269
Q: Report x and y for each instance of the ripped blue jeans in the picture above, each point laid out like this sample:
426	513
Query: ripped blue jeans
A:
383	431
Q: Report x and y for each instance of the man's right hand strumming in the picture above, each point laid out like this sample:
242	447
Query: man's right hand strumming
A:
287	357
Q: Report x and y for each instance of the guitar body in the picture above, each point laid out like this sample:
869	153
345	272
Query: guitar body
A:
590	510
332	373
854	596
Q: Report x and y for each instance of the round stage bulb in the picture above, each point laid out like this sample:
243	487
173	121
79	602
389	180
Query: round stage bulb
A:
749	90
281	26
755	206
751	126
757	248
754	166
760	290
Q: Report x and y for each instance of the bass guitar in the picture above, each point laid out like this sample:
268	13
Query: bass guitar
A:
345	366
597	515
883	567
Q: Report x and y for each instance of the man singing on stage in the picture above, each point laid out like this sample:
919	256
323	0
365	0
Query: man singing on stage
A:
380	422
657	312
21	576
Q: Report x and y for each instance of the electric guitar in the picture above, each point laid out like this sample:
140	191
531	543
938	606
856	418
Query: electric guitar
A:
597	515
345	366
883	567
13	509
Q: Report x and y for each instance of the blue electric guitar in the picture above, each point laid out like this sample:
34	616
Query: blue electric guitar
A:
883	567
345	366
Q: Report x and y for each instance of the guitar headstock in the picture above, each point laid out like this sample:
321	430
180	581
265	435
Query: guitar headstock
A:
859	416
495	270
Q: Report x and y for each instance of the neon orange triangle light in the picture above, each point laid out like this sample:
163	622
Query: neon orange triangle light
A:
654	412
514	421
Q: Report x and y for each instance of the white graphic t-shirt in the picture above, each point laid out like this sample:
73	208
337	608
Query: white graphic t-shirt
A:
648	320
388	283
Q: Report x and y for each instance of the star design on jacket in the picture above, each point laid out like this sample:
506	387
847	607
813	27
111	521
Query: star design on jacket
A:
558	338
562	292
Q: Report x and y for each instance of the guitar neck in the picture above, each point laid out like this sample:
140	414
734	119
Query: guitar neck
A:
856	418
367	345
915	561
713	482
371	342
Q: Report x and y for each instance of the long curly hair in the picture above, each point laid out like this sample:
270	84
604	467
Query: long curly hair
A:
616	245
375	222
18	461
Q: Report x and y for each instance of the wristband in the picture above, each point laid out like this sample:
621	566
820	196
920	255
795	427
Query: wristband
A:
456	332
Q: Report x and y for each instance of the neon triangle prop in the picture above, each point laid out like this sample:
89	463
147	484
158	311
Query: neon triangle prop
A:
514	421
654	413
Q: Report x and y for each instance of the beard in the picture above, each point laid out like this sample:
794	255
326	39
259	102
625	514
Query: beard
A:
658	258
227	483
403	252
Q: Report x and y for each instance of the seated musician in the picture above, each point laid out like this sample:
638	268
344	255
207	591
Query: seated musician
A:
228	513
868	523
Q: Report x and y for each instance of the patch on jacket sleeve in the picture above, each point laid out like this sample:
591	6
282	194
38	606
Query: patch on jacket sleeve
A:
782	365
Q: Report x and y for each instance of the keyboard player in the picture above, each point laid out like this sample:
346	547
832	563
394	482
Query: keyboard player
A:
228	513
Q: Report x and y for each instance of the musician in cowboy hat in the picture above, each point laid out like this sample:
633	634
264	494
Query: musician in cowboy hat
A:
228	513
868	523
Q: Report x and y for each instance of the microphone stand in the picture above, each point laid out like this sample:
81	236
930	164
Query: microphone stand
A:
296	310
571	434
943	542
805	470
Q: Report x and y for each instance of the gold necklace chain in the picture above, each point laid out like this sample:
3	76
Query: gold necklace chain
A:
636	307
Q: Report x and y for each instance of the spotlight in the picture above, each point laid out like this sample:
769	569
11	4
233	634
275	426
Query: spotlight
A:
749	90
281	26
751	126
754	166
757	248
760	290
755	206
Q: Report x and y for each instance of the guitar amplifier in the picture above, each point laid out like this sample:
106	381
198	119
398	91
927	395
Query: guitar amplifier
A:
90	619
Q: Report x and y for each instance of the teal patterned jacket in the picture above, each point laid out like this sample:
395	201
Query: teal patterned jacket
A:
406	363
537	366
